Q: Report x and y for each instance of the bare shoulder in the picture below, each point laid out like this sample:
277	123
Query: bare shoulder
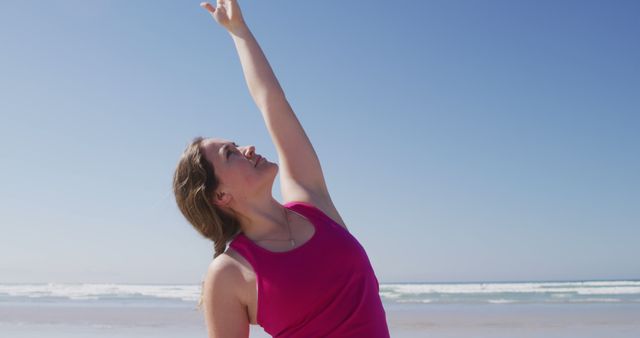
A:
320	199
225	314
223	274
224	270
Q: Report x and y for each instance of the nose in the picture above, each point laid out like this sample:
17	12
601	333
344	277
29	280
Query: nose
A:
251	151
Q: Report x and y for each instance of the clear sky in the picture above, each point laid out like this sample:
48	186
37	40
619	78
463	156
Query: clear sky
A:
460	140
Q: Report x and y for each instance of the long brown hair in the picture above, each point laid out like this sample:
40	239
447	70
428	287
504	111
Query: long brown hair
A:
194	183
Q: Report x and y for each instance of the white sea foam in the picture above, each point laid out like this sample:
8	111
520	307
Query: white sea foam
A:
496	293
527	292
100	291
501	301
483	288
390	294
424	301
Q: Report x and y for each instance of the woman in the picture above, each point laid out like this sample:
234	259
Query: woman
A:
292	268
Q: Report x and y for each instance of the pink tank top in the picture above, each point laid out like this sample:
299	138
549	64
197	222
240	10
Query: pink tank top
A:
325	287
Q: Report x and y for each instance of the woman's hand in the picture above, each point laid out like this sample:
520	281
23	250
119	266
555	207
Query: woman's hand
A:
227	13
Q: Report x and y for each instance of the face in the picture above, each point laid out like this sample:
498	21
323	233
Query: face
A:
243	174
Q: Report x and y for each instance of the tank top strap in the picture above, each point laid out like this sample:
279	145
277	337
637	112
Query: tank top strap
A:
311	212
241	244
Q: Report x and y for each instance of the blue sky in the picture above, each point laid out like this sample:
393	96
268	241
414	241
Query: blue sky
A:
460	140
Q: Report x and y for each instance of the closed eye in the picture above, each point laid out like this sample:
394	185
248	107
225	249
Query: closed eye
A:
230	151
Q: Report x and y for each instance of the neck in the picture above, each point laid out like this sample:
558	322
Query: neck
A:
262	219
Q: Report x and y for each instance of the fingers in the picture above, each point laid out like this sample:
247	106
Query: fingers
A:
208	7
221	5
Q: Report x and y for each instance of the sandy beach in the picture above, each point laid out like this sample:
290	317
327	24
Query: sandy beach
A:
405	320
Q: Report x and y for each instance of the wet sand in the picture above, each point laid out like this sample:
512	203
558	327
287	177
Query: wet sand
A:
404	320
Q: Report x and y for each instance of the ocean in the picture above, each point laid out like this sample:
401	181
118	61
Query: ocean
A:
523	292
420	293
454	310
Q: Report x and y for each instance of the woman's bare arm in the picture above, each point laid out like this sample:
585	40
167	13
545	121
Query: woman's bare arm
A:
300	171
299	163
224	314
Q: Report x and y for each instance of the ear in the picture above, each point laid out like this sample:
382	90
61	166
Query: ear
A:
221	198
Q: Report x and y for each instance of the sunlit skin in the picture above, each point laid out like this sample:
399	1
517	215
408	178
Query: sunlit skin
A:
246	188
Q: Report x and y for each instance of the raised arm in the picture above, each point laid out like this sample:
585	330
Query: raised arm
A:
301	176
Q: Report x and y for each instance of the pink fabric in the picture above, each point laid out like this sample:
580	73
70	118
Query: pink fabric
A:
324	288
